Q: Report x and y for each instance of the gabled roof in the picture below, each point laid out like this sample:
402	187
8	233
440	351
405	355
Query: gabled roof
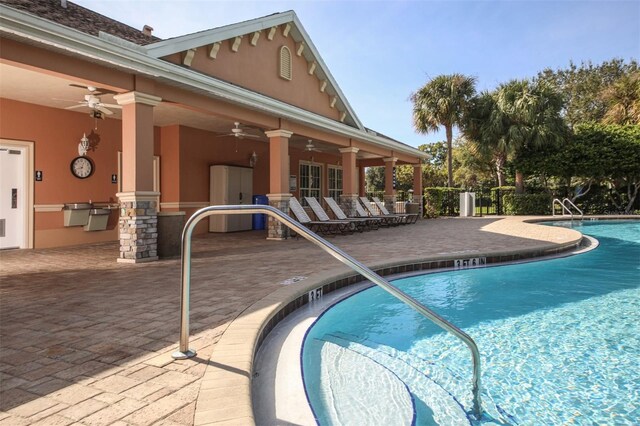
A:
80	18
17	23
202	38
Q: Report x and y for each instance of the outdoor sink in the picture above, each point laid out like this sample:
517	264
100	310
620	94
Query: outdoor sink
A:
76	214
98	219
77	206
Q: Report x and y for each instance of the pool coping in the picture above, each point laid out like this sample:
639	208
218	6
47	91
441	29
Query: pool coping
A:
226	385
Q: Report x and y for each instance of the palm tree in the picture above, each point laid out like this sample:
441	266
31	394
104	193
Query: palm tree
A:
442	102
623	100
519	114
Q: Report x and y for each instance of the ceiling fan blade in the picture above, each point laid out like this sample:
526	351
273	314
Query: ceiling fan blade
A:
249	135
104	110
111	105
226	135
82	105
96	91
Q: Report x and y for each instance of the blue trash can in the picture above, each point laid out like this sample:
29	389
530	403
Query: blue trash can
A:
260	220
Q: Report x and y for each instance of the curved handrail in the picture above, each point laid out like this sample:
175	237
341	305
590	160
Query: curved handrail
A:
564	208
566	200
184	351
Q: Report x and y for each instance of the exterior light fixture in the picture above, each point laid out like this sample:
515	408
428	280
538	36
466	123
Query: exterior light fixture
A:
83	146
253	159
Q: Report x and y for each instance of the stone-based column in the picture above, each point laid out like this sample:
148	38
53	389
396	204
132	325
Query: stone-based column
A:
138	227
389	191
276	230
138	223
278	180
349	181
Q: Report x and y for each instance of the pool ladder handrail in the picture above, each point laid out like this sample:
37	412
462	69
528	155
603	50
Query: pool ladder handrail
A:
184	351
566	209
566	201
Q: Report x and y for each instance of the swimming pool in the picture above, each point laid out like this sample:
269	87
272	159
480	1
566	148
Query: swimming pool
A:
559	341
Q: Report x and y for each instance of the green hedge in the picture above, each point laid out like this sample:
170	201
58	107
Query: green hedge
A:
441	201
527	204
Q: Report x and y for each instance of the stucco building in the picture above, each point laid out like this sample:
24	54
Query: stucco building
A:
95	111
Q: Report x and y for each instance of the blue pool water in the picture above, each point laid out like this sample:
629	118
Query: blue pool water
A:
559	341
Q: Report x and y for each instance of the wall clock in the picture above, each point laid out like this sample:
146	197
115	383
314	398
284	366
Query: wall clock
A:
82	167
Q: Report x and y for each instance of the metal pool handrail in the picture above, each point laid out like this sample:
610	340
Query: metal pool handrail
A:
184	351
564	208
568	201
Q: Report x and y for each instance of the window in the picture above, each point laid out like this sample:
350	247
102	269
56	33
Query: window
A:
310	178
285	63
335	182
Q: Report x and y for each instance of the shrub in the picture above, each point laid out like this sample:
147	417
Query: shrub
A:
527	204
442	201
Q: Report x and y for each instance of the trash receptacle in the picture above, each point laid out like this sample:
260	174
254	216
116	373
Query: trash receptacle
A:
260	220
170	226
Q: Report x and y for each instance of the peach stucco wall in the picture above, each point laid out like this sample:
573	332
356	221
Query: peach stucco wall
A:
257	68
56	134
193	151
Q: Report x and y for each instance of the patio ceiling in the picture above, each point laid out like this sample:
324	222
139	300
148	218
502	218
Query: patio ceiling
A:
56	92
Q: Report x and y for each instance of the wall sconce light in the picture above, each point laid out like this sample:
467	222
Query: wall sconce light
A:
83	146
253	159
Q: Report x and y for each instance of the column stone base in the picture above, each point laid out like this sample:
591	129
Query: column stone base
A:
138	226
276	230
348	204
417	199
390	203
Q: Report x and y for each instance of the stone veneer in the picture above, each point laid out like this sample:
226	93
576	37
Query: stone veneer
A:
275	229
138	228
390	203
348	205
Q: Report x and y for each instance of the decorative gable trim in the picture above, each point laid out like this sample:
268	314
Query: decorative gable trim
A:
290	25
213	50
272	33
236	43
254	38
187	57
286	29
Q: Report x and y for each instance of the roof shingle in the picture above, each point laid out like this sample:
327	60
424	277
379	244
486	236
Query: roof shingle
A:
80	18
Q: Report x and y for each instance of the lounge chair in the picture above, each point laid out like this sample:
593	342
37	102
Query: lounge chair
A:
322	215
369	222
370	213
331	227
400	219
409	217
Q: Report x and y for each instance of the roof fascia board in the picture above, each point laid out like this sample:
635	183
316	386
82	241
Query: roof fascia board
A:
65	38
298	25
190	41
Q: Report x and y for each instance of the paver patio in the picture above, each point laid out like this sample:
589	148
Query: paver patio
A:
85	340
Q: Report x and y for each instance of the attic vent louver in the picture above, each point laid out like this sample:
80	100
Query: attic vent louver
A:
285	63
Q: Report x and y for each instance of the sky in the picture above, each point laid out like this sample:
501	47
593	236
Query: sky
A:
380	52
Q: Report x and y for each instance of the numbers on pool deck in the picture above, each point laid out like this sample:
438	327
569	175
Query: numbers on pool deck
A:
469	263
315	294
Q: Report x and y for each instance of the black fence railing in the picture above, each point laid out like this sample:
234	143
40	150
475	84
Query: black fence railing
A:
446	201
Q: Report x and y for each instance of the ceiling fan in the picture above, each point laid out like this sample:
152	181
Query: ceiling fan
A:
240	133
311	147
93	102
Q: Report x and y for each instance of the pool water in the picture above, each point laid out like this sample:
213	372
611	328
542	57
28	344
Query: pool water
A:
559	341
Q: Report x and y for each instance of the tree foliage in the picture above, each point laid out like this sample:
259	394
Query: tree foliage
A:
583	85
442	102
517	116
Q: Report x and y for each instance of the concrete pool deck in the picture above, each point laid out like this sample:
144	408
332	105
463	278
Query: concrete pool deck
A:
84	340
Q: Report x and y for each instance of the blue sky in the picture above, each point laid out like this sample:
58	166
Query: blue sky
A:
380	52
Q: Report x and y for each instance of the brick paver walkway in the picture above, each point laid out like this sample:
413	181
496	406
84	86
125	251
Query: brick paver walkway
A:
84	340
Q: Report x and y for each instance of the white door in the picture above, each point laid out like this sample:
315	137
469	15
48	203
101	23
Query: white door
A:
13	197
